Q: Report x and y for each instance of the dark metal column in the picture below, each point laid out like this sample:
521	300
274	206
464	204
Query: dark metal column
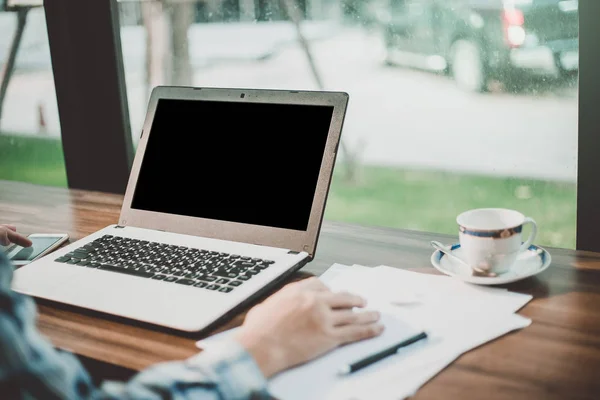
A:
588	181
85	47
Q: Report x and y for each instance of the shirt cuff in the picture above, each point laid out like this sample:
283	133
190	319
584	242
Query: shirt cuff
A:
237	374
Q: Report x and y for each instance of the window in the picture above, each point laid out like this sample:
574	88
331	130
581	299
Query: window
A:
30	146
452	106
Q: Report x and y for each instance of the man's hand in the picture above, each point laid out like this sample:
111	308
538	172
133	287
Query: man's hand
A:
302	321
8	235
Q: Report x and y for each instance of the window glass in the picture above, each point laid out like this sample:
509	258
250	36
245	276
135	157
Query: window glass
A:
454	104
30	146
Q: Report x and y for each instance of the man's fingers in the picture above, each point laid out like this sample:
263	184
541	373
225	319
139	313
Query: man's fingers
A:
348	317
345	300
9	235
18	239
4	236
353	333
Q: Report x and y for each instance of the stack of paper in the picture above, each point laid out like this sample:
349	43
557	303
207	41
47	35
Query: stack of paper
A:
456	316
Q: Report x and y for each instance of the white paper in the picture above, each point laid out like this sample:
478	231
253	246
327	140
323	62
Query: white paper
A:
401	378
358	280
396	387
463	315
457	317
322	373
430	302
336	270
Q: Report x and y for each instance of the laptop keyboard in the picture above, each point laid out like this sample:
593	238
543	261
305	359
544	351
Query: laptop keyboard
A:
210	270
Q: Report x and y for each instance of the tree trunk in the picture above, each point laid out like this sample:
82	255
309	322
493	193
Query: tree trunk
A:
293	11
351	157
247	10
181	16
155	27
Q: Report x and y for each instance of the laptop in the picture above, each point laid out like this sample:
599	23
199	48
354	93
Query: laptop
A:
225	200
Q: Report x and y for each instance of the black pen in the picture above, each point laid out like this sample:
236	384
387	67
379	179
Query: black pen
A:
365	362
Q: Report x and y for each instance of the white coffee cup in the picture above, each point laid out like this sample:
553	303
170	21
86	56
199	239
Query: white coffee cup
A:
491	238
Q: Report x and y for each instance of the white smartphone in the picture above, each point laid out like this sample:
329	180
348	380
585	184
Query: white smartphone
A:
43	243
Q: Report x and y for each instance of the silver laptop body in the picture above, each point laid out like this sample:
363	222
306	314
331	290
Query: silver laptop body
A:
225	199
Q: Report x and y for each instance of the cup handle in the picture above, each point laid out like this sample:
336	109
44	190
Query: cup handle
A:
532	235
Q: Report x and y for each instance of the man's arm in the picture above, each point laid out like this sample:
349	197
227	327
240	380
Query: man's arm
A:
300	322
31	368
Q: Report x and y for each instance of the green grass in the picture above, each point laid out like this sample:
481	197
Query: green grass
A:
32	159
430	201
382	196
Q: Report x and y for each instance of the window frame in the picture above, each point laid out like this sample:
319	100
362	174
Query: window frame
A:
87	62
588	162
98	155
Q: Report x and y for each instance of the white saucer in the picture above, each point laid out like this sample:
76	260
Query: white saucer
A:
529	263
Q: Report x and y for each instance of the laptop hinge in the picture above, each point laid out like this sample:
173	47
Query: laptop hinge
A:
293	252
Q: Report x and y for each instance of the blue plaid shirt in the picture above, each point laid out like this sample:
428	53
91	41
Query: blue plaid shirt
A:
30	368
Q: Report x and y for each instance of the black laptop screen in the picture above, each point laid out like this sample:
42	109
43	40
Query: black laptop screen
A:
253	163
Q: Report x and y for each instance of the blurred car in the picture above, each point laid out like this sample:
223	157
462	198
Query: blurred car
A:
479	40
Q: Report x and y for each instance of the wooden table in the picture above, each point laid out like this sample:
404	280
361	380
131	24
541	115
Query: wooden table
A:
557	357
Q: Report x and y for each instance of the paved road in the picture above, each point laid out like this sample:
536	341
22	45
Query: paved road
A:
396	116
411	118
